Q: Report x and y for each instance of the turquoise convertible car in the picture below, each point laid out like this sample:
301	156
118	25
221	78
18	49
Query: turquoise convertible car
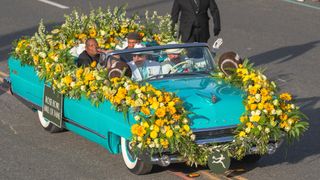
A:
216	106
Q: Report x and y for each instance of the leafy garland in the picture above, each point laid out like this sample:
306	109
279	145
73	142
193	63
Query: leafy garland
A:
268	116
162	123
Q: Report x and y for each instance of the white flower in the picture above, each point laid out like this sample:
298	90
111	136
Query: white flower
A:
258	97
267	130
152	145
279	112
273	112
193	137
72	84
247	130
260	128
292	106
55	31
161	104
139	145
137	118
83	88
138	91
275	102
185	121
42	54
102	32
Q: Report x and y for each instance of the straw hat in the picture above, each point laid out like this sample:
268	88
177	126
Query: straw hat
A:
229	60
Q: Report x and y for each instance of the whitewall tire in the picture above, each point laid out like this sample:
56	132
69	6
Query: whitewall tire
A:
135	165
47	125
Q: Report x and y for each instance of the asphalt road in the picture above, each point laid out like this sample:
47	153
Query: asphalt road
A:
279	35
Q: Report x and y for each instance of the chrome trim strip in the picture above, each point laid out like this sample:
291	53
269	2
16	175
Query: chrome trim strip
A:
36	107
214	129
215	140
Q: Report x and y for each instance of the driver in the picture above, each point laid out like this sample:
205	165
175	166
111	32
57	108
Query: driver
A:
141	67
174	58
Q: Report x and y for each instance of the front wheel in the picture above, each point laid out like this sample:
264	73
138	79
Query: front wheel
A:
47	125
135	165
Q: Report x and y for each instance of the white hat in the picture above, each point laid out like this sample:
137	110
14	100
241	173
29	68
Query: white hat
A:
173	51
139	45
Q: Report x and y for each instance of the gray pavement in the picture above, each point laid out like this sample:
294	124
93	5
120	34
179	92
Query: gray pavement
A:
276	34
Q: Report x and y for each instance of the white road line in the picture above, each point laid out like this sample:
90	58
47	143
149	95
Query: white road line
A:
281	80
303	4
54	4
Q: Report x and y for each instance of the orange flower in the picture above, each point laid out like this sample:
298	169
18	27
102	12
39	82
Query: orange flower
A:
145	110
161	112
285	96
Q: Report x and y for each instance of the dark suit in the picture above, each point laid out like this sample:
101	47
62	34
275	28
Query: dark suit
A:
194	19
85	59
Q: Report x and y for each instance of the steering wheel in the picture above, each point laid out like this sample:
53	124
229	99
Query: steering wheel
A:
175	67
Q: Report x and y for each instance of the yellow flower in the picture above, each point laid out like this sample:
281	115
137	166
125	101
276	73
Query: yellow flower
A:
35	59
186	127
141	131
176	117
171	110
93	64
67	80
134	129
243	119
161	112
260	106
159	122
249	125
242	134
285	96
154	104
283	117
169	133
89	77
58	68
79	72
145	110
153	134
255	118
253	107
156	128
92	32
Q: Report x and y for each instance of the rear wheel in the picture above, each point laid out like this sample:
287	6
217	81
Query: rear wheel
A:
135	165
47	125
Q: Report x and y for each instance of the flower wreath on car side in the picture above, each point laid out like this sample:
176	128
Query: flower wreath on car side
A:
162	122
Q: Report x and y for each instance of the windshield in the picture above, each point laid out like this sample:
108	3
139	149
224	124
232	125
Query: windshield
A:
157	63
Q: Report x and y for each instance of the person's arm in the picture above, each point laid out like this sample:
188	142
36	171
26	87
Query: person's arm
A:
175	11
216	17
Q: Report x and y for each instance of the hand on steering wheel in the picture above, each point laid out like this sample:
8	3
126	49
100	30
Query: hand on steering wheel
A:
175	67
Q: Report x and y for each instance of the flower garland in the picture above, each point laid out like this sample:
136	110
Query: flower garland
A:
268	116
162	123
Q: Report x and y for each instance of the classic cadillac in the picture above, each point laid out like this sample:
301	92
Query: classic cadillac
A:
216	106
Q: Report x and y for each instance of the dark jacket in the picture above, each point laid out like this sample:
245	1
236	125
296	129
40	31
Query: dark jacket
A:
85	59
192	17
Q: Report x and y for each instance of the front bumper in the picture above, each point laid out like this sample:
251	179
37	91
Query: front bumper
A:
206	136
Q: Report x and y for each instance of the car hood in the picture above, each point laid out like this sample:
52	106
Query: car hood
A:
197	92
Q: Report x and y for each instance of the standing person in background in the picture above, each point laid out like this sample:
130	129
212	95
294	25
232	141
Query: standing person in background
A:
194	19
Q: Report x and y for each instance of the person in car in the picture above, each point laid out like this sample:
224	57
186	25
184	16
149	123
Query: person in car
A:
174	58
90	54
141	67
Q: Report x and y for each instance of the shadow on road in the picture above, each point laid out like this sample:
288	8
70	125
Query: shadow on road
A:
284	54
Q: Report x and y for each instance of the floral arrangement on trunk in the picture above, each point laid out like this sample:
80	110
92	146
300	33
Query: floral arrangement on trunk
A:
162	122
